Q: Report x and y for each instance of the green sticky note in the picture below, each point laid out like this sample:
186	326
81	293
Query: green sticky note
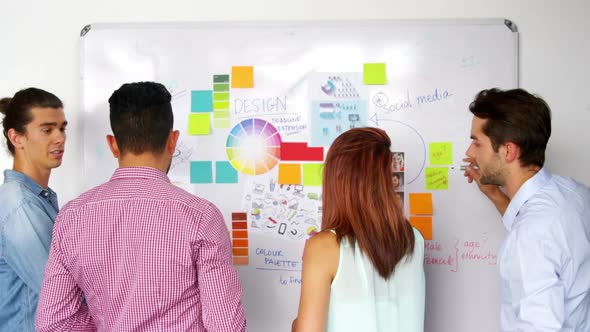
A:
225	172
437	178
221	105
374	73
312	174
221	96
201	172
221	123
441	153
199	124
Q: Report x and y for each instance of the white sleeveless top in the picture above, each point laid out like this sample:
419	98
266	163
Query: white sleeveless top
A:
361	300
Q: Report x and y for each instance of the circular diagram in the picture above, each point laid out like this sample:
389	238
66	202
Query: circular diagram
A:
254	146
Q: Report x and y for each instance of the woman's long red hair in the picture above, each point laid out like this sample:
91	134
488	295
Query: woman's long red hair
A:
360	202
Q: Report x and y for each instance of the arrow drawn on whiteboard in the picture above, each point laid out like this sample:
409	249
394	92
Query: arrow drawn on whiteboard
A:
376	120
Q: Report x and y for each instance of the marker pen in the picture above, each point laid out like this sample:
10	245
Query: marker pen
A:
464	167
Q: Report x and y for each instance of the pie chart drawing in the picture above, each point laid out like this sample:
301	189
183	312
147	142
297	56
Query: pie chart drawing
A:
253	146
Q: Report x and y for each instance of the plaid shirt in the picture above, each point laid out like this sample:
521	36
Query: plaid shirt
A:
146	256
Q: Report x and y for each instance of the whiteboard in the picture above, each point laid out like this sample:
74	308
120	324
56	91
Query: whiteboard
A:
263	102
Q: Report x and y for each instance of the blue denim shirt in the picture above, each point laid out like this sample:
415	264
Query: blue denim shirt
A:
27	213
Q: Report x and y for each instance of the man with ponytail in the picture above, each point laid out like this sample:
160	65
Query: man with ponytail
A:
364	271
34	127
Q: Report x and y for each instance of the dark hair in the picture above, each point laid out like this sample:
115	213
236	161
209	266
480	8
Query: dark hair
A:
515	116
359	200
17	110
141	117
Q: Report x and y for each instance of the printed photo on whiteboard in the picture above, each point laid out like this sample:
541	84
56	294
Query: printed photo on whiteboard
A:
399	162
398	181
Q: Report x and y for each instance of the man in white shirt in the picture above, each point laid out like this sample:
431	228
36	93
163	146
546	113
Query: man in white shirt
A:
545	259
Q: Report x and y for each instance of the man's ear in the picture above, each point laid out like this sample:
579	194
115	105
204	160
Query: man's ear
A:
112	142
172	140
15	138
511	152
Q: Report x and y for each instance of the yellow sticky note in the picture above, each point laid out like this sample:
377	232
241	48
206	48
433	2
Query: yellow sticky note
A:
312	174
441	153
242	77
422	224
289	174
420	203
437	178
199	123
374	73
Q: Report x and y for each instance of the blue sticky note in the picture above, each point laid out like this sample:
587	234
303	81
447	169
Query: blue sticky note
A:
201	101
225	172
201	172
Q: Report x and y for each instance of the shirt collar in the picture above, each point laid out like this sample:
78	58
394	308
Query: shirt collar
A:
528	189
139	172
12	175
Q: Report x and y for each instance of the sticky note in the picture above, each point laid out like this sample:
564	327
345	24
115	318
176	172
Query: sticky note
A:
201	101
221	96
242	77
199	124
420	203
223	78
422	224
437	178
221	105
201	172
221	123
441	153
374	73
289	174
225	172
312	174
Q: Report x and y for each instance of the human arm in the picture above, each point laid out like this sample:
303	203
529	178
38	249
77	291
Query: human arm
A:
320	263
532	271
26	238
60	303
492	192
219	285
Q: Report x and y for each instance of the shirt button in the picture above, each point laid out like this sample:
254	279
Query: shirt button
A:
44	193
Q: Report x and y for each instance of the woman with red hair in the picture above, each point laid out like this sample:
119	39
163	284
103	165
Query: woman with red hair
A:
364	271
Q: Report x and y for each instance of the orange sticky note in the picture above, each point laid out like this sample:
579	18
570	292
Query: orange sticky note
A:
420	203
242	77
422	224
289	174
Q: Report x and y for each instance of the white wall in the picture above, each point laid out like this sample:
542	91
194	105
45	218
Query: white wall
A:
40	47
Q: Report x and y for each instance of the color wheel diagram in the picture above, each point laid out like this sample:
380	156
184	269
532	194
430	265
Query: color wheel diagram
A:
254	146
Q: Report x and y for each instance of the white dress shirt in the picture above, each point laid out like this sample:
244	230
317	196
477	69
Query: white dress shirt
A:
545	259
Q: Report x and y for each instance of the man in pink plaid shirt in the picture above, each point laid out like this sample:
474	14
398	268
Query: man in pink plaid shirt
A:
144	254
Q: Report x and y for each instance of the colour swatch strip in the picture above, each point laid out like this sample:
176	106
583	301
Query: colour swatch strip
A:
239	227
